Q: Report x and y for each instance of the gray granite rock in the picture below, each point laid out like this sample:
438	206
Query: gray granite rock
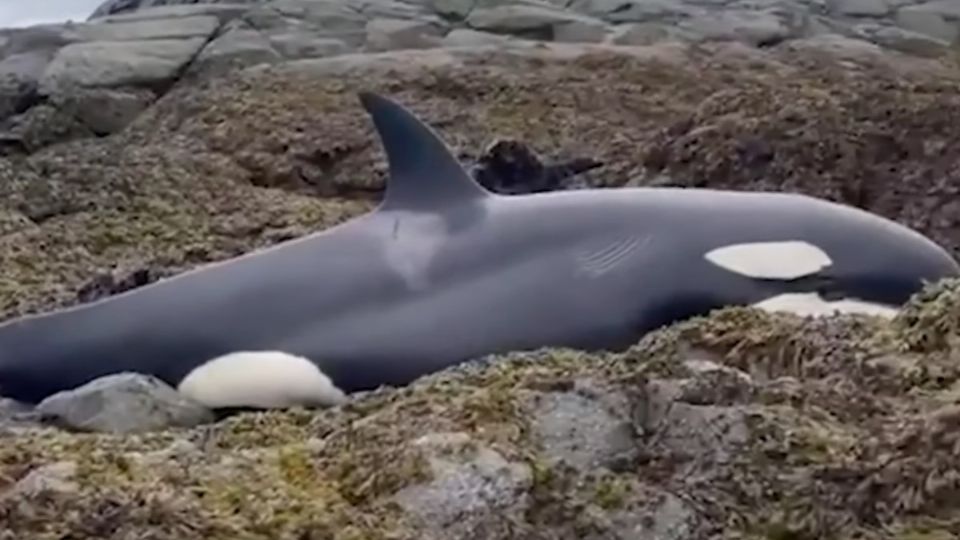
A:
40	126
123	403
475	491
465	37
114	7
859	8
523	19
581	31
239	46
19	76
119	63
391	34
104	110
297	44
622	11
173	28
642	34
58	477
909	42
755	28
930	20
583	431
224	12
455	9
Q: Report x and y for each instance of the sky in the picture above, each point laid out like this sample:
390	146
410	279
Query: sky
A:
29	12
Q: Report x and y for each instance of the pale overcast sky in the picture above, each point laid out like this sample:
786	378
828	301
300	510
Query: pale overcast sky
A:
28	12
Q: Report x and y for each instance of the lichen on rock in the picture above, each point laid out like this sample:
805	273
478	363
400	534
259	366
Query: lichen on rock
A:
739	423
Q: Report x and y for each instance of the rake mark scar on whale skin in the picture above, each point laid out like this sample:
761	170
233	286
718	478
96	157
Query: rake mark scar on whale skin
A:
443	271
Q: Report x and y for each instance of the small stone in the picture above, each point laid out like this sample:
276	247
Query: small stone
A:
123	403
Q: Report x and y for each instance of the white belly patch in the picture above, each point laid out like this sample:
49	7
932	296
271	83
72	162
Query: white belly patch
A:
263	379
811	304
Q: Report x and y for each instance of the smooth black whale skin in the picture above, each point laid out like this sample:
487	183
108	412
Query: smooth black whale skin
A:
444	271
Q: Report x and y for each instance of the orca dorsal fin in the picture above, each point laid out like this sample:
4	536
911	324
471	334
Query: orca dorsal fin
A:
424	173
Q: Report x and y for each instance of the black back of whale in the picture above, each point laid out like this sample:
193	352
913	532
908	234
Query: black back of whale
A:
444	271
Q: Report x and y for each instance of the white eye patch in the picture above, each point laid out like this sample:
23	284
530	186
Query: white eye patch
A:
263	379
770	260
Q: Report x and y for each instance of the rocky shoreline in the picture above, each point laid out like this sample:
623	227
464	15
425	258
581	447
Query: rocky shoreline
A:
61	82
141	144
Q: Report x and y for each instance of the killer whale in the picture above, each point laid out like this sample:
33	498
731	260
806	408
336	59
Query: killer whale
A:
442	271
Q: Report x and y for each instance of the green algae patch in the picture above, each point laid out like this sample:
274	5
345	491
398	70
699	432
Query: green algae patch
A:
930	321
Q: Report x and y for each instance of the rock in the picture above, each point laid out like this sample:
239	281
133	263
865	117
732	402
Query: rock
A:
523	20
859	8
14	414
137	8
104	110
710	433
37	39
927	19
464	37
123	403
474	489
222	11
38	127
19	76
323	20
110	283
949	9
640	34
53	478
512	167
155	62
622	11
456	9
390	34
910	42
661	516
758	29
295	45
838	46
174	28
239	46
581	431
580	32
